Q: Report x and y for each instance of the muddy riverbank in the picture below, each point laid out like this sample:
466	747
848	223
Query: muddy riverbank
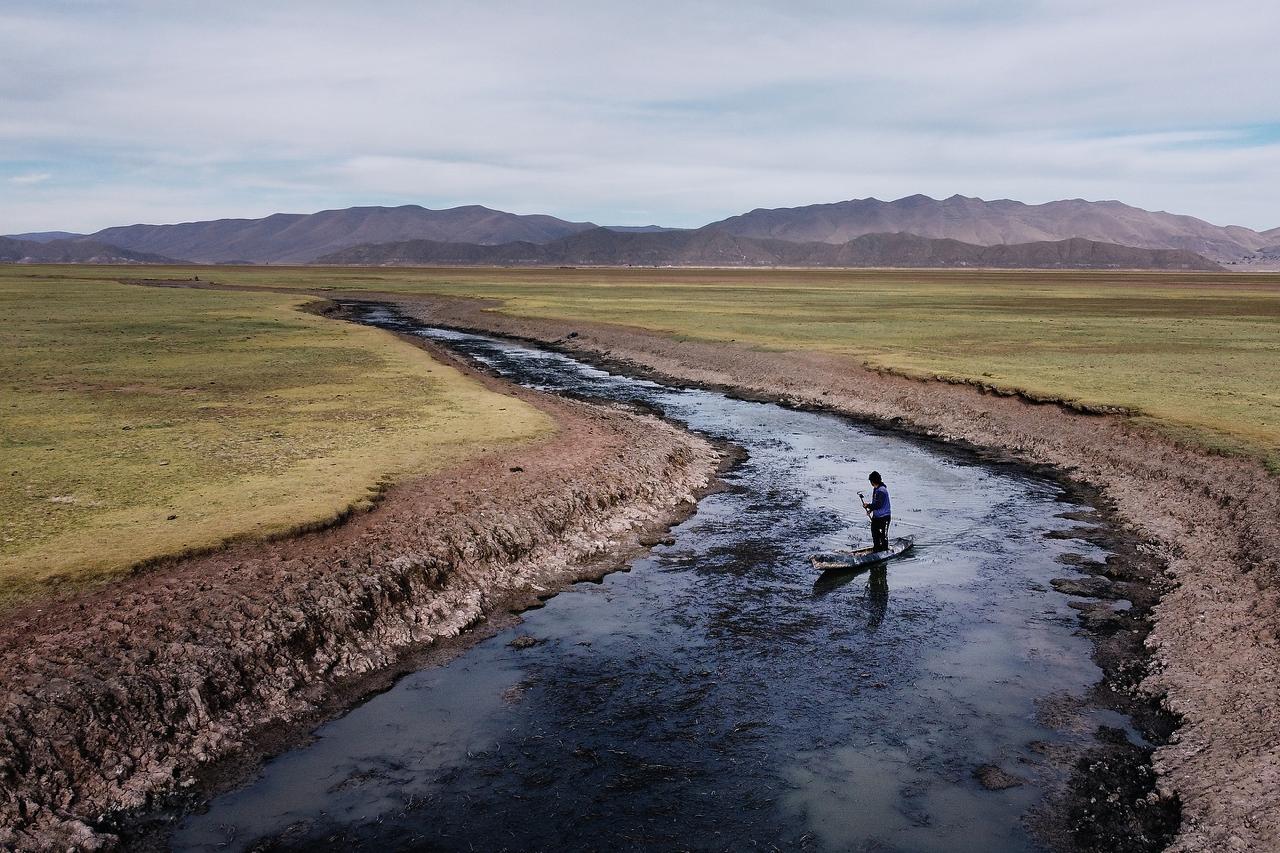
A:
718	696
1210	525
116	699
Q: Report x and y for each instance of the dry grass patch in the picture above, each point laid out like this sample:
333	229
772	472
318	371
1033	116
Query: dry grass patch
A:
140	423
1196	355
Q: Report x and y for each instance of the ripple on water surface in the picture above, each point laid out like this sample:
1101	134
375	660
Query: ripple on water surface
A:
720	695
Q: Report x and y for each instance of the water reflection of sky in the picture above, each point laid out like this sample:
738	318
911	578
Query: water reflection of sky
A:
714	696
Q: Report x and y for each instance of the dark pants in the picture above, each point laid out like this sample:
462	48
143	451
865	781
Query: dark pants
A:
880	533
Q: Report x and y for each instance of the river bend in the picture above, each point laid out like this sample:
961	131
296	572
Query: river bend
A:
719	695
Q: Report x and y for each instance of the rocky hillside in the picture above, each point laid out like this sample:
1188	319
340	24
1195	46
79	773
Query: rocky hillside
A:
713	247
416	235
988	223
72	252
45	236
298	238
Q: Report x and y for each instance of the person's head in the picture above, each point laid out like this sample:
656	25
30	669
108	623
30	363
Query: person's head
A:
875	478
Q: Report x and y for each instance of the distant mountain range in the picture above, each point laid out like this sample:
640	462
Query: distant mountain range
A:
46	236
989	223
297	238
711	246
1006	230
77	251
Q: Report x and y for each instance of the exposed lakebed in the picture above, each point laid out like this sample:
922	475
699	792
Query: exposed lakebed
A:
720	694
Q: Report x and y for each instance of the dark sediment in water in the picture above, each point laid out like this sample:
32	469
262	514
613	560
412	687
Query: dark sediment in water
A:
116	698
717	696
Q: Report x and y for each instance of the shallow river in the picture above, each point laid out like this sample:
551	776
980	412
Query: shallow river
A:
719	695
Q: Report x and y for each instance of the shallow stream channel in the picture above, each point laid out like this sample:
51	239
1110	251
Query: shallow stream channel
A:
719	694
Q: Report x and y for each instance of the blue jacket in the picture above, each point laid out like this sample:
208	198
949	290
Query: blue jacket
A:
880	502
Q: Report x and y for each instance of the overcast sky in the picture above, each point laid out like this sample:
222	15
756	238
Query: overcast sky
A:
631	113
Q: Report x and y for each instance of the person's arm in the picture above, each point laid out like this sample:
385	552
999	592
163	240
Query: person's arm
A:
877	500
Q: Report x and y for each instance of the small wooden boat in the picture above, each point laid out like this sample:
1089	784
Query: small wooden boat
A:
842	560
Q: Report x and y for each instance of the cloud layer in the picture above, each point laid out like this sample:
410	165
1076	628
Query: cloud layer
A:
676	113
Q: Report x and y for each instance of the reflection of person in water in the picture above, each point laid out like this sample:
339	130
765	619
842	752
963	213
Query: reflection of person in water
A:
877	597
876	593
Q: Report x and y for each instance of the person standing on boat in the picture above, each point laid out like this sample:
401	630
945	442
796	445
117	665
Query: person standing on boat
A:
879	512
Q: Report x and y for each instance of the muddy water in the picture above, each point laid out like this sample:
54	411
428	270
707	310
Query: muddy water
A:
720	695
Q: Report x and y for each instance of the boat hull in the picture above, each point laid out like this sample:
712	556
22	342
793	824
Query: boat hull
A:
833	561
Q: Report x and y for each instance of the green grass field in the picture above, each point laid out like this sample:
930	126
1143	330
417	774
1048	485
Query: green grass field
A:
138	423
1198	355
243	416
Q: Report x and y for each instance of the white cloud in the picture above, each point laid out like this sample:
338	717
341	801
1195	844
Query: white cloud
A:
671	112
30	178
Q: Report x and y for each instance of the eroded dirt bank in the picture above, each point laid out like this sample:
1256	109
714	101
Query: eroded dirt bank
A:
113	698
1213	523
